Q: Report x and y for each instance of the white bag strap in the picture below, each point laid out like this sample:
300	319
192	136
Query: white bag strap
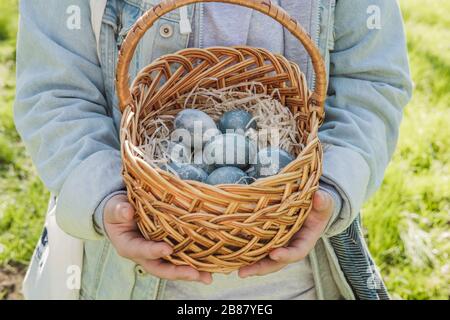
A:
97	11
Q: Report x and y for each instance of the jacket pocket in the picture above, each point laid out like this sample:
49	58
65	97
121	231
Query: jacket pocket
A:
162	38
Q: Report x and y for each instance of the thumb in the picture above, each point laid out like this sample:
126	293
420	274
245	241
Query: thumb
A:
322	201
118	210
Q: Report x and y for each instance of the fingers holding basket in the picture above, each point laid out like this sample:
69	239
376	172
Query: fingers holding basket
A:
261	268
134	247
168	271
301	243
124	234
130	244
313	228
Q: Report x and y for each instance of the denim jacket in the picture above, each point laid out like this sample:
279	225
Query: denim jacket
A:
66	113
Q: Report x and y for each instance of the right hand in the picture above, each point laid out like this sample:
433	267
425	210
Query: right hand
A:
124	235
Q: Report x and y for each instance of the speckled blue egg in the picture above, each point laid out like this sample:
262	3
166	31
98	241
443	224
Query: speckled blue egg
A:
176	152
228	175
271	161
200	162
251	171
237	121
230	149
193	128
210	134
188	172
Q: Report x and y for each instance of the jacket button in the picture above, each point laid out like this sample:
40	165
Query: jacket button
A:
166	31
139	270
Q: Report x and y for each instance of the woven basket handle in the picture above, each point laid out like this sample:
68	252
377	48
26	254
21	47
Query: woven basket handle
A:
264	6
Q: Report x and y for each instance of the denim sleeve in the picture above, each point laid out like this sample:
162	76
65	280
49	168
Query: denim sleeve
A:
61	112
369	86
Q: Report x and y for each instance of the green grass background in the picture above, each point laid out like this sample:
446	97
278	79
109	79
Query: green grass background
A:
406	222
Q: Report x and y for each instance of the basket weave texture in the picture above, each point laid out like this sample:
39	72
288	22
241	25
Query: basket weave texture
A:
219	228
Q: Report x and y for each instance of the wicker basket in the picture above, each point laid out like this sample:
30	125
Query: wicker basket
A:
220	228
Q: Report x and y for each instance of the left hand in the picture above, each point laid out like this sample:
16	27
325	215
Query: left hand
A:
301	243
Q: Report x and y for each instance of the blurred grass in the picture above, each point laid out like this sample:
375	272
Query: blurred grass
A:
407	221
22	196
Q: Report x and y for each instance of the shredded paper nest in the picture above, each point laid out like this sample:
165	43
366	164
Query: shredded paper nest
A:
276	125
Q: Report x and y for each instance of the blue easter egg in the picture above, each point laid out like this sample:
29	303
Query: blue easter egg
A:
176	152
188	172
227	175
237	121
230	149
200	162
193	128
271	161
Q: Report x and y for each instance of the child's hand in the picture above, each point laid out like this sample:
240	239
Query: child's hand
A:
301	243
129	243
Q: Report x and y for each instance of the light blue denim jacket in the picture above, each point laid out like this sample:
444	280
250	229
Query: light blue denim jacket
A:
66	113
